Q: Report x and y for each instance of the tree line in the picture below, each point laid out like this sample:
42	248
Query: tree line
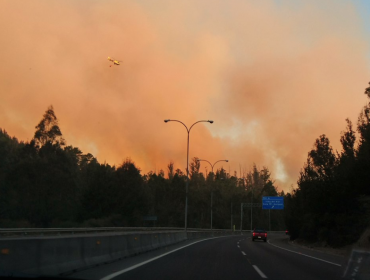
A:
331	204
47	183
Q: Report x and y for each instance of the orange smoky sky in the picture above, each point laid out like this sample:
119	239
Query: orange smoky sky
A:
272	75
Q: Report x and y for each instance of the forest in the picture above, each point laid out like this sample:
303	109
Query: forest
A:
47	183
331	204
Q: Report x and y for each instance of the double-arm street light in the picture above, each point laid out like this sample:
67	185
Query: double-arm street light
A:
212	165
187	165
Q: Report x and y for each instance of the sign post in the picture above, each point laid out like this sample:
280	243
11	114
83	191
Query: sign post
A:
269	220
274	203
241	213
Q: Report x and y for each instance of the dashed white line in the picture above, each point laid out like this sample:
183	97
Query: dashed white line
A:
244	253
303	254
259	271
238	246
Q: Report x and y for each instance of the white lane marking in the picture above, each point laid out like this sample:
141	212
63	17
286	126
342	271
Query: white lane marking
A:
259	271
308	256
244	253
110	276
238	246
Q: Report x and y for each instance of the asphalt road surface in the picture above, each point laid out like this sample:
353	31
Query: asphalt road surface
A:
235	257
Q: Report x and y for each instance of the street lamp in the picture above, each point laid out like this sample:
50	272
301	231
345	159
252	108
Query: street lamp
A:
187	165
212	165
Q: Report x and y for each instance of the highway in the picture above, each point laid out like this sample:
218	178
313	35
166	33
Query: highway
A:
234	257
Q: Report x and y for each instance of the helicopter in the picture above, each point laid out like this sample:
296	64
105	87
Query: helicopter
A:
115	62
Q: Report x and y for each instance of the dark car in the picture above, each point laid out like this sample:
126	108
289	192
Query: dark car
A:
259	234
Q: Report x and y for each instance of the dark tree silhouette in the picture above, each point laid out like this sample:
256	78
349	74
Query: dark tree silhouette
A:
48	129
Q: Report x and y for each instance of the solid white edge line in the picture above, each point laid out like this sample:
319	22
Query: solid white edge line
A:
308	256
110	276
244	253
259	271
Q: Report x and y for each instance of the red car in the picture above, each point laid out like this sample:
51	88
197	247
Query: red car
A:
259	234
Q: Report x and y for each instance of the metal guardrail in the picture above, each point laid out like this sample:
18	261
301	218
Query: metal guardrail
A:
14	232
31	232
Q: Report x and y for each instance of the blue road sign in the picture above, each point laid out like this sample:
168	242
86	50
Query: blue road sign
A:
273	202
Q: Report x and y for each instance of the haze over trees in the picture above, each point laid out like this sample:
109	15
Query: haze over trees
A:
332	202
47	183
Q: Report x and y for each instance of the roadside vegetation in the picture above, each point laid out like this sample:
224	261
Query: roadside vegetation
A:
331	205
47	183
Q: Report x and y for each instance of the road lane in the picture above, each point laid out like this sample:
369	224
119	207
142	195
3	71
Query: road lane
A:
278	263
235	257
212	259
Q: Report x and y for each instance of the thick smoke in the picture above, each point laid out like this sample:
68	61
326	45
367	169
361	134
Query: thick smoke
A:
273	77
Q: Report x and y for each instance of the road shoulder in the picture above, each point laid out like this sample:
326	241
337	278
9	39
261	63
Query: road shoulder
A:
283	242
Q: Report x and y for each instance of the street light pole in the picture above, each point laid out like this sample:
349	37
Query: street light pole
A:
231	213
212	165
187	165
251	210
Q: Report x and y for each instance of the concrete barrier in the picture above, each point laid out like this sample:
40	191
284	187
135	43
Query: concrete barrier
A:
58	255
